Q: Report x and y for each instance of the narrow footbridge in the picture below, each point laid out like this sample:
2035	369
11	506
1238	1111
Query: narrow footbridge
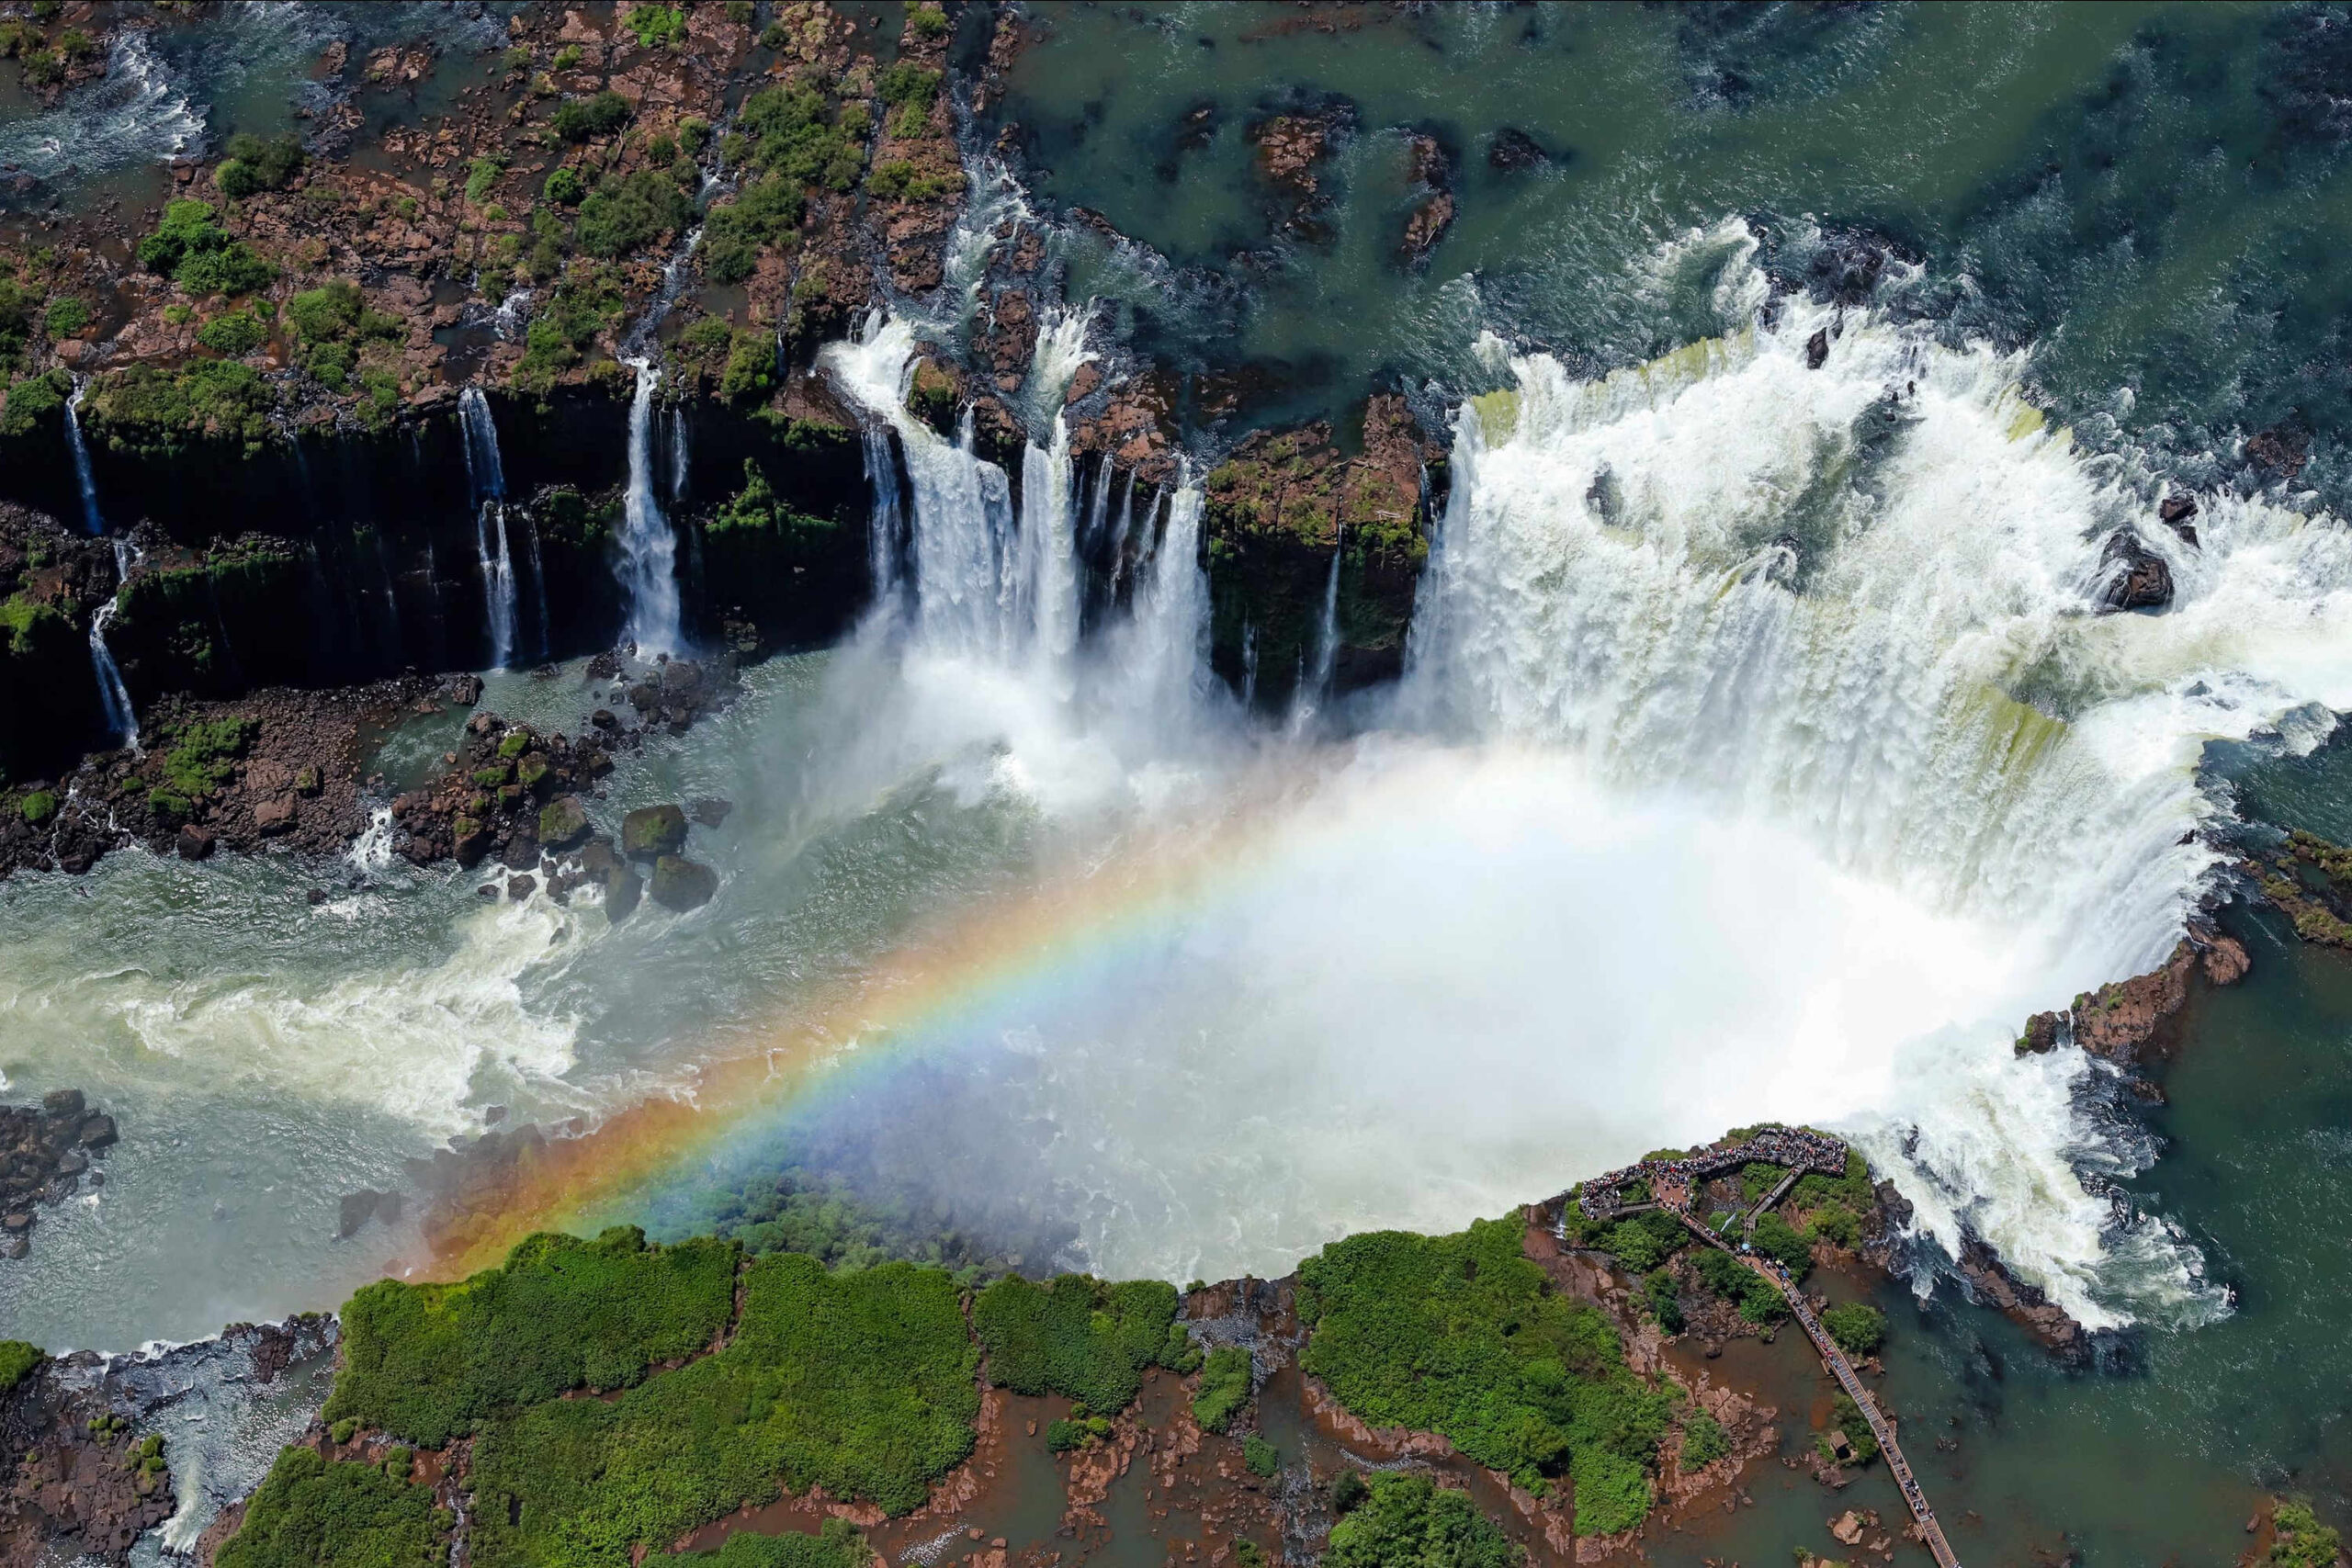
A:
1675	1183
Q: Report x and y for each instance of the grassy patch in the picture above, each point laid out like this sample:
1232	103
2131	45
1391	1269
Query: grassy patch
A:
2303	1541
861	1383
17	1362
1080	1337
1225	1387
1409	1522
1462	1335
1857	1328
204	754
314	1513
837	1546
1704	1441
426	1362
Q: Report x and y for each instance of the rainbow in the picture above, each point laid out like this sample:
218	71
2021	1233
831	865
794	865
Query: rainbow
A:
996	961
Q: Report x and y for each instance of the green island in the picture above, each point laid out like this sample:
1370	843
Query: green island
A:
592	1402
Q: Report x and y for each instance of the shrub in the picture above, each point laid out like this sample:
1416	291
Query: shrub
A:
564	187
582	119
1846	1416
425	1361
1080	1337
1225	1387
204	753
1835	1223
1260	1456
767	212
1763	1305
17	1362
1704	1441
658	25
896	181
233	270
1853	1189
36	807
481	176
67	314
235	335
33	399
1063	1437
566	57
1348	1492
858	1382
791	131
838	1545
255	164
2303	1541
903	83
1463	1336
1857	1328
1666	1303
186	228
343	1430
626	211
1408	1519
316	1513
694	133
1646	1241
1775	1239
927	19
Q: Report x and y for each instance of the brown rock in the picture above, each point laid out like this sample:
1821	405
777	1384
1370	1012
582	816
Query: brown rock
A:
2134	577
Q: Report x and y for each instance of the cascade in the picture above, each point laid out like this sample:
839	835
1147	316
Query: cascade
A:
91	517
677	455
486	479
648	565
1314	690
538	581
123	722
887	528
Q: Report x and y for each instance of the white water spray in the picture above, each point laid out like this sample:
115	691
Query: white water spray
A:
122	721
91	517
486	479
648	566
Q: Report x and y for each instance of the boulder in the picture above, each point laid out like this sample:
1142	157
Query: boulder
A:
63	1103
274	817
709	811
652	831
470	842
1816	350
681	885
194	842
521	851
520	887
466	690
98	1132
2178	513
563	822
1513	149
623	888
2132	577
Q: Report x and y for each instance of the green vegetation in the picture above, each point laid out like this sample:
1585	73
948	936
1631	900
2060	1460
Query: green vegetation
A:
790	1208
926	19
2303	1541
1066	1437
17	1362
1407	1521
67	314
191	248
156	412
1462	1335
204	753
792	131
1775	1239
658	25
1857	1328
337	328
1846	1417
858	1382
426	1362
1647	1240
910	90
582	306
314	1513
34	399
582	119
1703	1440
1260	1456
233	335
254	164
25	621
837	1546
1665	1301
626	212
480	174
767	212
1080	1337
896	181
36	808
565	188
1224	1388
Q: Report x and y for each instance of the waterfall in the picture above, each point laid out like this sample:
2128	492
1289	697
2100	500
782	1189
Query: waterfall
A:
648	566
486	479
123	722
91	517
1314	690
677	455
887	526
539	579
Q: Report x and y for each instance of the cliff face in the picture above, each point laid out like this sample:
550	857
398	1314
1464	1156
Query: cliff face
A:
266	362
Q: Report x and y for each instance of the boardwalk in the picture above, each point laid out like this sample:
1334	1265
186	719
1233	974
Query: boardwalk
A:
1676	1183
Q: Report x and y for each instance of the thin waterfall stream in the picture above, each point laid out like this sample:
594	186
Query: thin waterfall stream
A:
486	479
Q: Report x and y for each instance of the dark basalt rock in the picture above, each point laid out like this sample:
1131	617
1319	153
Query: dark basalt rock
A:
1816	350
2178	513
44	1154
2280	453
2133	576
1512	150
652	831
681	885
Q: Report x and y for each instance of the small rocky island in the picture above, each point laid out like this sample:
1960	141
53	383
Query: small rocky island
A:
45	1157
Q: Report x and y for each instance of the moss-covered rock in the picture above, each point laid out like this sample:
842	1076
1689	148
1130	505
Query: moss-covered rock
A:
563	823
681	885
652	831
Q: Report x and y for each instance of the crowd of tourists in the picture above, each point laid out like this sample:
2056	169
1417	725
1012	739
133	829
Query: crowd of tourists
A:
1796	1148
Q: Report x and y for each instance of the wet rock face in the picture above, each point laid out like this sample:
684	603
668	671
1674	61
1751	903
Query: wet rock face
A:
2134	577
1431	169
680	884
652	831
45	1157
1512	151
1990	1282
1290	151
